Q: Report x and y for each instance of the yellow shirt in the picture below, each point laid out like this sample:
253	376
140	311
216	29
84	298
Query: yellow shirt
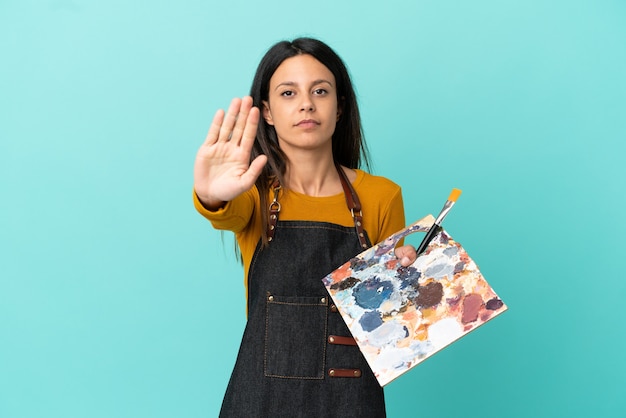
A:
381	203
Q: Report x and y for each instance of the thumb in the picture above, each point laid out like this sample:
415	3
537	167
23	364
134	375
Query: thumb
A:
254	170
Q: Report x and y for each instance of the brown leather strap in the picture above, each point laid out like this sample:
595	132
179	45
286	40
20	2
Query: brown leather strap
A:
354	204
337	339
344	372
274	209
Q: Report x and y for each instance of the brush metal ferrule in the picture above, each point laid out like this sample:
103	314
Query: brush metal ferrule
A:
444	212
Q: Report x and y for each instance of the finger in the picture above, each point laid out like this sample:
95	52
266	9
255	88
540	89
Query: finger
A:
405	261
407	255
214	129
250	129
242	119
407	250
230	119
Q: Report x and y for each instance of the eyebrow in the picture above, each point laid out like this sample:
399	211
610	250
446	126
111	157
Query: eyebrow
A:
293	83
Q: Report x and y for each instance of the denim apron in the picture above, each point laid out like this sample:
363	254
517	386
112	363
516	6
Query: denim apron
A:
297	357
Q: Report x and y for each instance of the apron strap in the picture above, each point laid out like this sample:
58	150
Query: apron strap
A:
274	209
354	204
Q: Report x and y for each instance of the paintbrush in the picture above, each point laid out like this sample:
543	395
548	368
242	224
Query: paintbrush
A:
436	228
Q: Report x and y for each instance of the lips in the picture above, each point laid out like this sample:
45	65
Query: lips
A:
308	123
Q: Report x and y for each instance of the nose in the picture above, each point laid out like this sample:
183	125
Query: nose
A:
307	104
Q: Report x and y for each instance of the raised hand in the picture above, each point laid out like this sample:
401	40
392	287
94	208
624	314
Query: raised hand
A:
223	169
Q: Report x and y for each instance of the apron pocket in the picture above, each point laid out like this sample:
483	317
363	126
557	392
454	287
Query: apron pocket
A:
295	337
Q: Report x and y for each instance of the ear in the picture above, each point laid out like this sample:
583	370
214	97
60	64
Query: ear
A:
267	115
340	108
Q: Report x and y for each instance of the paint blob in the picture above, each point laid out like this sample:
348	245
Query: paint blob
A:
371	320
371	293
429	295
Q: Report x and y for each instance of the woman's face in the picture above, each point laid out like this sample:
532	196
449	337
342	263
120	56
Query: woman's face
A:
302	105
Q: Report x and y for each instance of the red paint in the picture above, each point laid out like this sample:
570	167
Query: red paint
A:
471	307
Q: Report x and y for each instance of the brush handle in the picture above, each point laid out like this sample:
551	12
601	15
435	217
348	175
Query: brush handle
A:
432	233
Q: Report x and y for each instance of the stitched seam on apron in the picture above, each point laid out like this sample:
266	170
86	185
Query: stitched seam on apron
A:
296	304
319	227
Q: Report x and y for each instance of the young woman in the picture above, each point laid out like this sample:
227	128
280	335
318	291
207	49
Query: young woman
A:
281	170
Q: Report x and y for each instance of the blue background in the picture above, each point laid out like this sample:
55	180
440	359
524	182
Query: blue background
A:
118	300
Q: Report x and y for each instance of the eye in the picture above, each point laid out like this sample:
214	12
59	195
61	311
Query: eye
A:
287	93
320	92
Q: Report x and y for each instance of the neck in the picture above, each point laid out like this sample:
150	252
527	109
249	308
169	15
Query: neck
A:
313	176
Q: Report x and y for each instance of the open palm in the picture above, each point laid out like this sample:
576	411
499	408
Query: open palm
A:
223	169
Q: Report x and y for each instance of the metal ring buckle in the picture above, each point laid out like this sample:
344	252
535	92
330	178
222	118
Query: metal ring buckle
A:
275	206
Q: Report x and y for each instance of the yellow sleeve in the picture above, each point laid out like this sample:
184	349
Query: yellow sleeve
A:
393	219
383	207
234	215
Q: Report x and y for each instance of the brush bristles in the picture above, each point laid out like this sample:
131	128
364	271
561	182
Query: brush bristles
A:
454	195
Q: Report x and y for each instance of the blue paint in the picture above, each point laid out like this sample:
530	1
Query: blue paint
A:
409	276
359	264
371	320
371	294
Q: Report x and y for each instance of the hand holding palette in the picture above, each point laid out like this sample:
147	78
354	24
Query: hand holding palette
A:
399	316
